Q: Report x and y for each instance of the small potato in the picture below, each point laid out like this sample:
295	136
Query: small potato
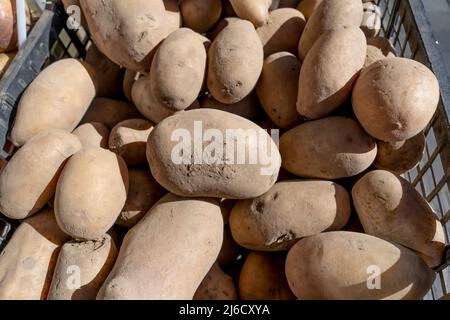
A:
278	87
307	7
256	11
217	285
200	15
400	157
94	134
28	180
91	193
330	148
247	108
395	98
282	31
262	278
355	266
390	208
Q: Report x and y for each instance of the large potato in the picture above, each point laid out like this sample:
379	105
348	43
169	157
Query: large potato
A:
28	181
94	134
289	211
168	253
355	266
307	7
238	165
256	11
200	15
217	285
329	15
389	207
330	148
395	98
91	193
57	99
235	61
247	108
278	87
173	15
329	71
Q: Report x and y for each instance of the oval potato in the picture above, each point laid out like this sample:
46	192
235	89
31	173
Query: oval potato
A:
247	108
217	285
200	15
307	7
255	11
94	134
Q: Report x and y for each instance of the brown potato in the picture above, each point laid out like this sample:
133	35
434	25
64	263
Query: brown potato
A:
230	249
247	108
8	34
255	11
217	285
128	80
307	7
173	15
94	134
200	15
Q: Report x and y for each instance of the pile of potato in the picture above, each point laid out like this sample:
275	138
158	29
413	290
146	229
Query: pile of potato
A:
107	214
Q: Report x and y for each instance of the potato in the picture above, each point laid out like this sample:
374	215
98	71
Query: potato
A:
217	285
143	193
395	98
256	11
282	31
329	71
91	261
91	193
247	108
127	32
173	15
29	179
129	140
230	249
400	157
235	61
191	241
57	99
329	15
355	266
277	89
109	112
289	211
5	61
200	15
28	261
307	7
212	169
94	134
371	22
330	148
262	278
288	3
384	45
8	34
128	80
390	208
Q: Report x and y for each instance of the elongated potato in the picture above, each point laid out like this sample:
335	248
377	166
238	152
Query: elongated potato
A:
263	278
329	15
191	241
329	71
28	181
282	31
189	167
94	134
289	211
354	266
91	261
200	15
256	11
235	61
91	193
247	108
390	208
278	87
395	98
28	261
57	99
217	285
330	148
307	7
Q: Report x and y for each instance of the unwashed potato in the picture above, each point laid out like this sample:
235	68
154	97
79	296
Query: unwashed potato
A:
28	261
93	134
395	98
91	193
28	180
355	266
235	61
256	11
217	285
263	278
8	34
307	7
186	235
330	148
230	249
5	61
330	70
91	261
173	15
329	15
282	31
400	157
278	87
217	170
247	108
389	207
57	99
200	15
289	211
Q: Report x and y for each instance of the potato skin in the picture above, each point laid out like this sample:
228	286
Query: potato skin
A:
276	220
337	266
91	193
329	71
192	226
255	11
94	134
235	61
329	148
200	15
8	35
129	78
389	207
247	108
57	99
216	285
28	180
395	98
307	7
